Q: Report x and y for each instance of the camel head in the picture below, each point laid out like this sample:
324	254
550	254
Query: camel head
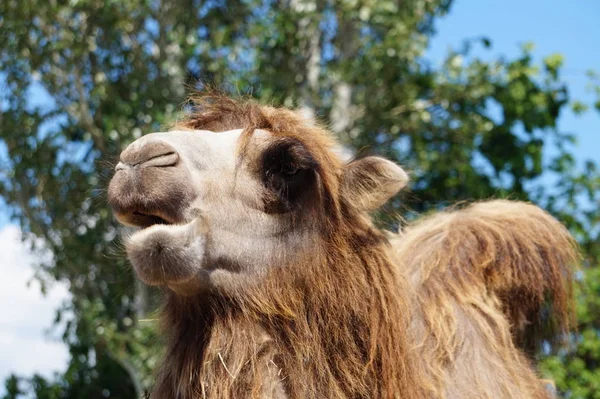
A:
234	191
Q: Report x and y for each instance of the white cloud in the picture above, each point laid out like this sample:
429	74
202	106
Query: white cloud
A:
26	314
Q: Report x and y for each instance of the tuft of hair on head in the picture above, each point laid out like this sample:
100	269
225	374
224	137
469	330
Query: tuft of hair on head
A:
215	111
513	250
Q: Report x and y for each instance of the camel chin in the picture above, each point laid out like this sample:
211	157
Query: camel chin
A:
171	255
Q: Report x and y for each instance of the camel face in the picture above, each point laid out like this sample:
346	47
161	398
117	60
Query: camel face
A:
238	193
215	210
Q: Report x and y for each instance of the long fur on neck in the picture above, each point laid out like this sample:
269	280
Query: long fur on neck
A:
330	327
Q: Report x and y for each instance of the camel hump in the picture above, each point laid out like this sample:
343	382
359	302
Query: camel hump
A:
514	252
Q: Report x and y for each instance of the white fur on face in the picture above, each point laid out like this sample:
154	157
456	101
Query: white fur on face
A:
202	150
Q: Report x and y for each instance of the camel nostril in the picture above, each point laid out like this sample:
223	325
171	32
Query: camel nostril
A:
155	153
168	159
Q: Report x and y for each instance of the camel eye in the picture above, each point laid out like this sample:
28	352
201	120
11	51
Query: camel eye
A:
287	157
289	170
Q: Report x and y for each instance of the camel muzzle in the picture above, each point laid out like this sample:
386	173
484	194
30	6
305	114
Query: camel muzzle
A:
150	185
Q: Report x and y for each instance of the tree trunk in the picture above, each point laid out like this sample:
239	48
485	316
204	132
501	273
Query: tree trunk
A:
309	33
342	113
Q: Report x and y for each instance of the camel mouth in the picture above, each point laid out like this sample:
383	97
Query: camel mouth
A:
144	219
147	220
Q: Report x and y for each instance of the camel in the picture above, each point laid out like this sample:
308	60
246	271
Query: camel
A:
277	283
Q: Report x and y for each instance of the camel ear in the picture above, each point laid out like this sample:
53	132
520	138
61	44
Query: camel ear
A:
371	181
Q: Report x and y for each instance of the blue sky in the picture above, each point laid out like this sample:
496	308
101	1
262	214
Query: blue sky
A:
569	28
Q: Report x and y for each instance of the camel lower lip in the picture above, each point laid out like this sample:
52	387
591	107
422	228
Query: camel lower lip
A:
147	228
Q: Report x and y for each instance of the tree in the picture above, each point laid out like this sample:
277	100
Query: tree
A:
111	71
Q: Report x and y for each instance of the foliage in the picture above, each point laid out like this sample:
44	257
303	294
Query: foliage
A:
83	78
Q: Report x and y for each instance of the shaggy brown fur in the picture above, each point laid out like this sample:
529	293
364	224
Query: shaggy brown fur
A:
362	314
482	277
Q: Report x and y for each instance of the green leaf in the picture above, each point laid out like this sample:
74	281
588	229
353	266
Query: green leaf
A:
578	107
